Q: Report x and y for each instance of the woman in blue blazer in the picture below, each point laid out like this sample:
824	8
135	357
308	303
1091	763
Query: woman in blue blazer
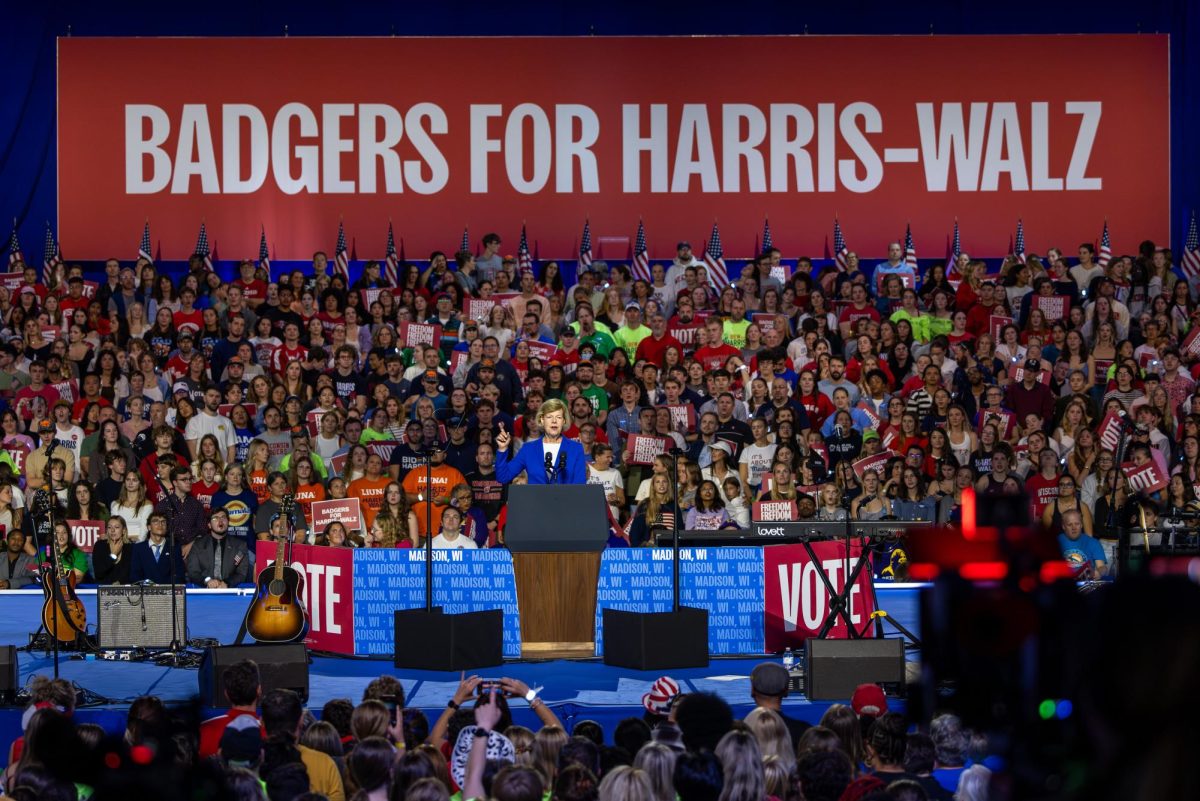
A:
552	459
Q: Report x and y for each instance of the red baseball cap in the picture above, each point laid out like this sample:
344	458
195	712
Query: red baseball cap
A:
869	699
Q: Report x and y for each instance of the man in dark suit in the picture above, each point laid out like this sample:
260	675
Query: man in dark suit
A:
16	566
216	561
151	559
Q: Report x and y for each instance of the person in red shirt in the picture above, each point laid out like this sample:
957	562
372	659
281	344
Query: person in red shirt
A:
75	298
817	404
685	325
37	388
1042	486
290	351
716	351
653	347
858	309
979	315
243	691
253	289
188	318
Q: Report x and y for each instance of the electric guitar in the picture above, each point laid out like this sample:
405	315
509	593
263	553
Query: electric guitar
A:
277	613
63	613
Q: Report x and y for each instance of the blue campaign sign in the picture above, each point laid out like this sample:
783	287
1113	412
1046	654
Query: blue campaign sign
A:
387	579
727	581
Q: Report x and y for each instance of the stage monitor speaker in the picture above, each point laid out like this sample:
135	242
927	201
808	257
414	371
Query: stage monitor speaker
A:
833	669
432	640
139	616
281	666
10	678
656	640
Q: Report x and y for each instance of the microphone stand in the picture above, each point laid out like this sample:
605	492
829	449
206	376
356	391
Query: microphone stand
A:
44	502
428	456
674	452
1113	513
174	656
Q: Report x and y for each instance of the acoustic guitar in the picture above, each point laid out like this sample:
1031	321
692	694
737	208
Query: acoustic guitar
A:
277	613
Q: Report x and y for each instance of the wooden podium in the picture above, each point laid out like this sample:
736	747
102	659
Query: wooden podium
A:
556	534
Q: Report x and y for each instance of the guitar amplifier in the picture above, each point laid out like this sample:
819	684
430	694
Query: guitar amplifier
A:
139	616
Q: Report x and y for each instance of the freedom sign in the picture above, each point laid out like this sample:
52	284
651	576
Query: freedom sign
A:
797	599
381	128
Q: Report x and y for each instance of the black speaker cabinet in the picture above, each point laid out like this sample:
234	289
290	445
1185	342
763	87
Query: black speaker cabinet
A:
282	666
432	640
139	616
833	669
656	640
10	677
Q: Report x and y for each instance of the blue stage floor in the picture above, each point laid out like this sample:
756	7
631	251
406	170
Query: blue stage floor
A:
576	690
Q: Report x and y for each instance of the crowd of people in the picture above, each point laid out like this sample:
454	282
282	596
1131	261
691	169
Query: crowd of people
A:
180	411
685	747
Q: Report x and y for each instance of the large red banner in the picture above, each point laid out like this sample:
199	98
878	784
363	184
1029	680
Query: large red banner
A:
797	600
328	593
286	134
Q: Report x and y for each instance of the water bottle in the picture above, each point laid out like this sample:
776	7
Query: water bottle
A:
789	660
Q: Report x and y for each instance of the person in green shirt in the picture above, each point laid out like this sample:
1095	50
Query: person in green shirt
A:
592	332
632	331
70	558
301	447
916	318
733	331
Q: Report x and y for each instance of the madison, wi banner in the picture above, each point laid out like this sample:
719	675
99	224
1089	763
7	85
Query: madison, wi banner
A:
436	134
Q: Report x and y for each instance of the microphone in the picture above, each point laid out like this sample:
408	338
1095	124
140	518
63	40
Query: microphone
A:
559	469
549	468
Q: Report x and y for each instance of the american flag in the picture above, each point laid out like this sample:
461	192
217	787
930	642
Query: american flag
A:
1019	247
524	261
1105	247
52	259
1191	251
202	248
585	246
840	251
955	252
391	265
144	247
767	244
264	255
341	259
910	252
14	247
465	245
641	255
714	260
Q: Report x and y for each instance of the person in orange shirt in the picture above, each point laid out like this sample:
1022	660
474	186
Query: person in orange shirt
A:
370	488
306	485
258	456
444	478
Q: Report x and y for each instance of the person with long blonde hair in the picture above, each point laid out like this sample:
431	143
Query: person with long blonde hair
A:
772	734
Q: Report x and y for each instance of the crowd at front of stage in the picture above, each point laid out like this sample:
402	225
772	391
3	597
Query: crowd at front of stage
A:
684	747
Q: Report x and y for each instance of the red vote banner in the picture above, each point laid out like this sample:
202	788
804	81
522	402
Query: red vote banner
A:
390	128
797	600
328	592
1149	477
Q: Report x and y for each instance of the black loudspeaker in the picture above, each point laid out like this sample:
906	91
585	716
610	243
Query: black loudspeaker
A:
833	669
656	640
10	679
432	640
281	666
